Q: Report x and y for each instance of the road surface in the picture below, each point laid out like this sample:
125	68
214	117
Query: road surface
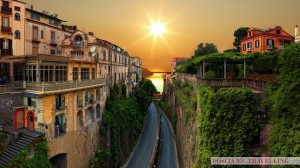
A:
141	156
168	154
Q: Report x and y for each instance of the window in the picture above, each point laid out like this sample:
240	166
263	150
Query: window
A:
256	43
35	16
278	31
75	74
35	33
52	36
17	8
60	102
60	124
93	73
86	97
42	34
5	4
61	73
52	52
79	119
77	54
46	73
270	43
30	73
249	45
29	101
85	72
79	99
5	21
53	21
244	47
17	34
17	16
6	44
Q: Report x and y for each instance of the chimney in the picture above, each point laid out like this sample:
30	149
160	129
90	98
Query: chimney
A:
91	33
296	31
31	7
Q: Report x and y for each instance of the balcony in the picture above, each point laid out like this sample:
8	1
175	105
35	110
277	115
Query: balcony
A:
5	29
43	88
53	43
6	51
78	44
6	10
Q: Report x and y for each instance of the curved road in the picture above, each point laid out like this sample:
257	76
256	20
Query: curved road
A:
167	157
141	156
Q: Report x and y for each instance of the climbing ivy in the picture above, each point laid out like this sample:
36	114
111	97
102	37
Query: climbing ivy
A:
38	160
227	123
187	99
283	102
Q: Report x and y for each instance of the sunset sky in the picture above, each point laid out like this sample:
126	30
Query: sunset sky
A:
187	22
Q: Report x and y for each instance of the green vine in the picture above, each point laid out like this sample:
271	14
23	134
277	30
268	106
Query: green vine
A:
38	160
227	123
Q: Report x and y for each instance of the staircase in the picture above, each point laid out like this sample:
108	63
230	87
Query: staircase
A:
13	150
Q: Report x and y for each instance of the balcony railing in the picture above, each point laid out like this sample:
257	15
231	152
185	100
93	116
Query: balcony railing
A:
63	86
256	84
53	42
74	56
222	82
5	29
6	10
6	51
78	44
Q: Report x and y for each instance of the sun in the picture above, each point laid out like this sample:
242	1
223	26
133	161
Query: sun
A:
157	29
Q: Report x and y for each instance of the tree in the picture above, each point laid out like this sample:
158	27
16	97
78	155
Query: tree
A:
209	48
124	90
239	34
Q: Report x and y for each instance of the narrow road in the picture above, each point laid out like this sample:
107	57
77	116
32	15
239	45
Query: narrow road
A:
167	157
141	156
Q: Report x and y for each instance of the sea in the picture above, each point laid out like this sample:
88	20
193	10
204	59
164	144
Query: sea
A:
157	80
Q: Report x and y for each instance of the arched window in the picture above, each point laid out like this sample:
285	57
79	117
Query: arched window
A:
42	34
17	34
86	97
17	16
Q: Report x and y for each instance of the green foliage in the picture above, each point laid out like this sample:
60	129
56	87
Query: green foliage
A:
188	100
124	90
239	34
265	63
115	92
202	50
227	123
122	115
231	50
39	159
284	107
210	74
144	94
99	159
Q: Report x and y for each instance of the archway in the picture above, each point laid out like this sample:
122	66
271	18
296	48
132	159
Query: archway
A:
98	111
59	161
89	115
19	118
79	119
30	120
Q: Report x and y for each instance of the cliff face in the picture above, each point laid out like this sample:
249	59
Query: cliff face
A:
181	109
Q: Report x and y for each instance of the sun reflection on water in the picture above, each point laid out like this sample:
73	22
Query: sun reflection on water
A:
158	81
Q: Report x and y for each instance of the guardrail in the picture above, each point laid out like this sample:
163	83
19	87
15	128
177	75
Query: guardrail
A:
48	87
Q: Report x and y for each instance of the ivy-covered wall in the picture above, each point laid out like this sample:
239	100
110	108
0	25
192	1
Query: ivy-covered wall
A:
227	123
283	102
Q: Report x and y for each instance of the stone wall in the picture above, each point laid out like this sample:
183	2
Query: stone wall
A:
8	102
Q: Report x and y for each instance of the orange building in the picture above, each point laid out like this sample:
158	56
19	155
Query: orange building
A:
263	40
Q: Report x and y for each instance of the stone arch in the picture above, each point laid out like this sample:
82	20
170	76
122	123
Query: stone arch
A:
59	161
79	119
89	115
